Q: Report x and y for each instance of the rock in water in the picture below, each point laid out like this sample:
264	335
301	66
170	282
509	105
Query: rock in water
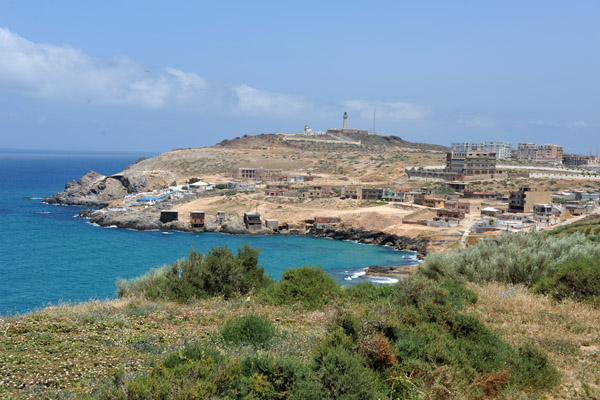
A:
93	189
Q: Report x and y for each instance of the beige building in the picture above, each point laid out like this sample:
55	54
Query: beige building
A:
542	153
524	200
257	174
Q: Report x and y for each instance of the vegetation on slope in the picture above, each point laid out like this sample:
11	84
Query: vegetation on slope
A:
416	339
513	258
589	226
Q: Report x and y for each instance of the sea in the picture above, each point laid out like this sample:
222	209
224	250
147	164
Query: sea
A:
49	257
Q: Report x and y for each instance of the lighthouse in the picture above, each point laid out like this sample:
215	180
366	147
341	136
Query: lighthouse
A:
345	126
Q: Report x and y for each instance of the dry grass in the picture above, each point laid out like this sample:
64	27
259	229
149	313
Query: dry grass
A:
72	348
569	332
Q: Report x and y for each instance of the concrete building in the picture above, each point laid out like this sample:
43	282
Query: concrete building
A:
461	166
471	162
542	153
169	216
277	190
549	153
252	221
523	200
257	174
317	192
503	150
361	193
579	159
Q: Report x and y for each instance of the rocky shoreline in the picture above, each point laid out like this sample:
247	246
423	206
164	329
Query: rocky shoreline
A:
140	220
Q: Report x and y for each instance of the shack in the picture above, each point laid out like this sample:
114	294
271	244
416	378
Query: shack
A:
272	224
197	219
169	216
220	217
252	221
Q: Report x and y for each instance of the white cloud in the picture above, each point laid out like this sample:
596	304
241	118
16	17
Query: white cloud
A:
477	121
580	124
391	111
64	73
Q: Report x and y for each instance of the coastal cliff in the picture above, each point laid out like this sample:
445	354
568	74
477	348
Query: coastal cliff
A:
144	220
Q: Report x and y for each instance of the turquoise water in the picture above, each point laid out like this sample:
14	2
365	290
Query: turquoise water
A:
48	256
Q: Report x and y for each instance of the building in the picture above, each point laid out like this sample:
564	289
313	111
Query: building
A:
169	216
220	217
317	192
542	153
471	163
523	200
397	195
197	219
257	174
277	190
503	150
549	153
434	202
361	193
272	224
579	160
252	221
526	151
461	166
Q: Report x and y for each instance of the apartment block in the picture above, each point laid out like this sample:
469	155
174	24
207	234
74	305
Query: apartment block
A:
503	150
542	153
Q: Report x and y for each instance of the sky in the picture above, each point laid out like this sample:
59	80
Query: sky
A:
151	76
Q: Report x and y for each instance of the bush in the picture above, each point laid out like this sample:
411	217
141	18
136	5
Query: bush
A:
219	273
249	330
515	258
343	376
265	377
312	287
578	279
534	371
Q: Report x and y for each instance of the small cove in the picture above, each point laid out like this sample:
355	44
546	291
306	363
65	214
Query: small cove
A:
48	256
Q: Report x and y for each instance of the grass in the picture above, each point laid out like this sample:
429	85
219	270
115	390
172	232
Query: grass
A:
416	339
567	332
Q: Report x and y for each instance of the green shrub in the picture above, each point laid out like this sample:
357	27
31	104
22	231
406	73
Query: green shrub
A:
249	330
219	273
343	375
533	371
312	287
515	258
576	279
194	372
265	377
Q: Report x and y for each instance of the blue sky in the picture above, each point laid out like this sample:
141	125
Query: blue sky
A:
152	76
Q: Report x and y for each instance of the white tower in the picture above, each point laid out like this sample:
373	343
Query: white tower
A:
345	120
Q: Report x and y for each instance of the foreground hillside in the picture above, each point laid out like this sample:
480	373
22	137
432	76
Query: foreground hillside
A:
214	326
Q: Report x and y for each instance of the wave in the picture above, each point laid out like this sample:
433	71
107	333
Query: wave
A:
44	212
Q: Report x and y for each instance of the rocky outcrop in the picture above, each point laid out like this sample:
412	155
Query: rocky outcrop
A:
93	189
144	220
390	272
378	238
